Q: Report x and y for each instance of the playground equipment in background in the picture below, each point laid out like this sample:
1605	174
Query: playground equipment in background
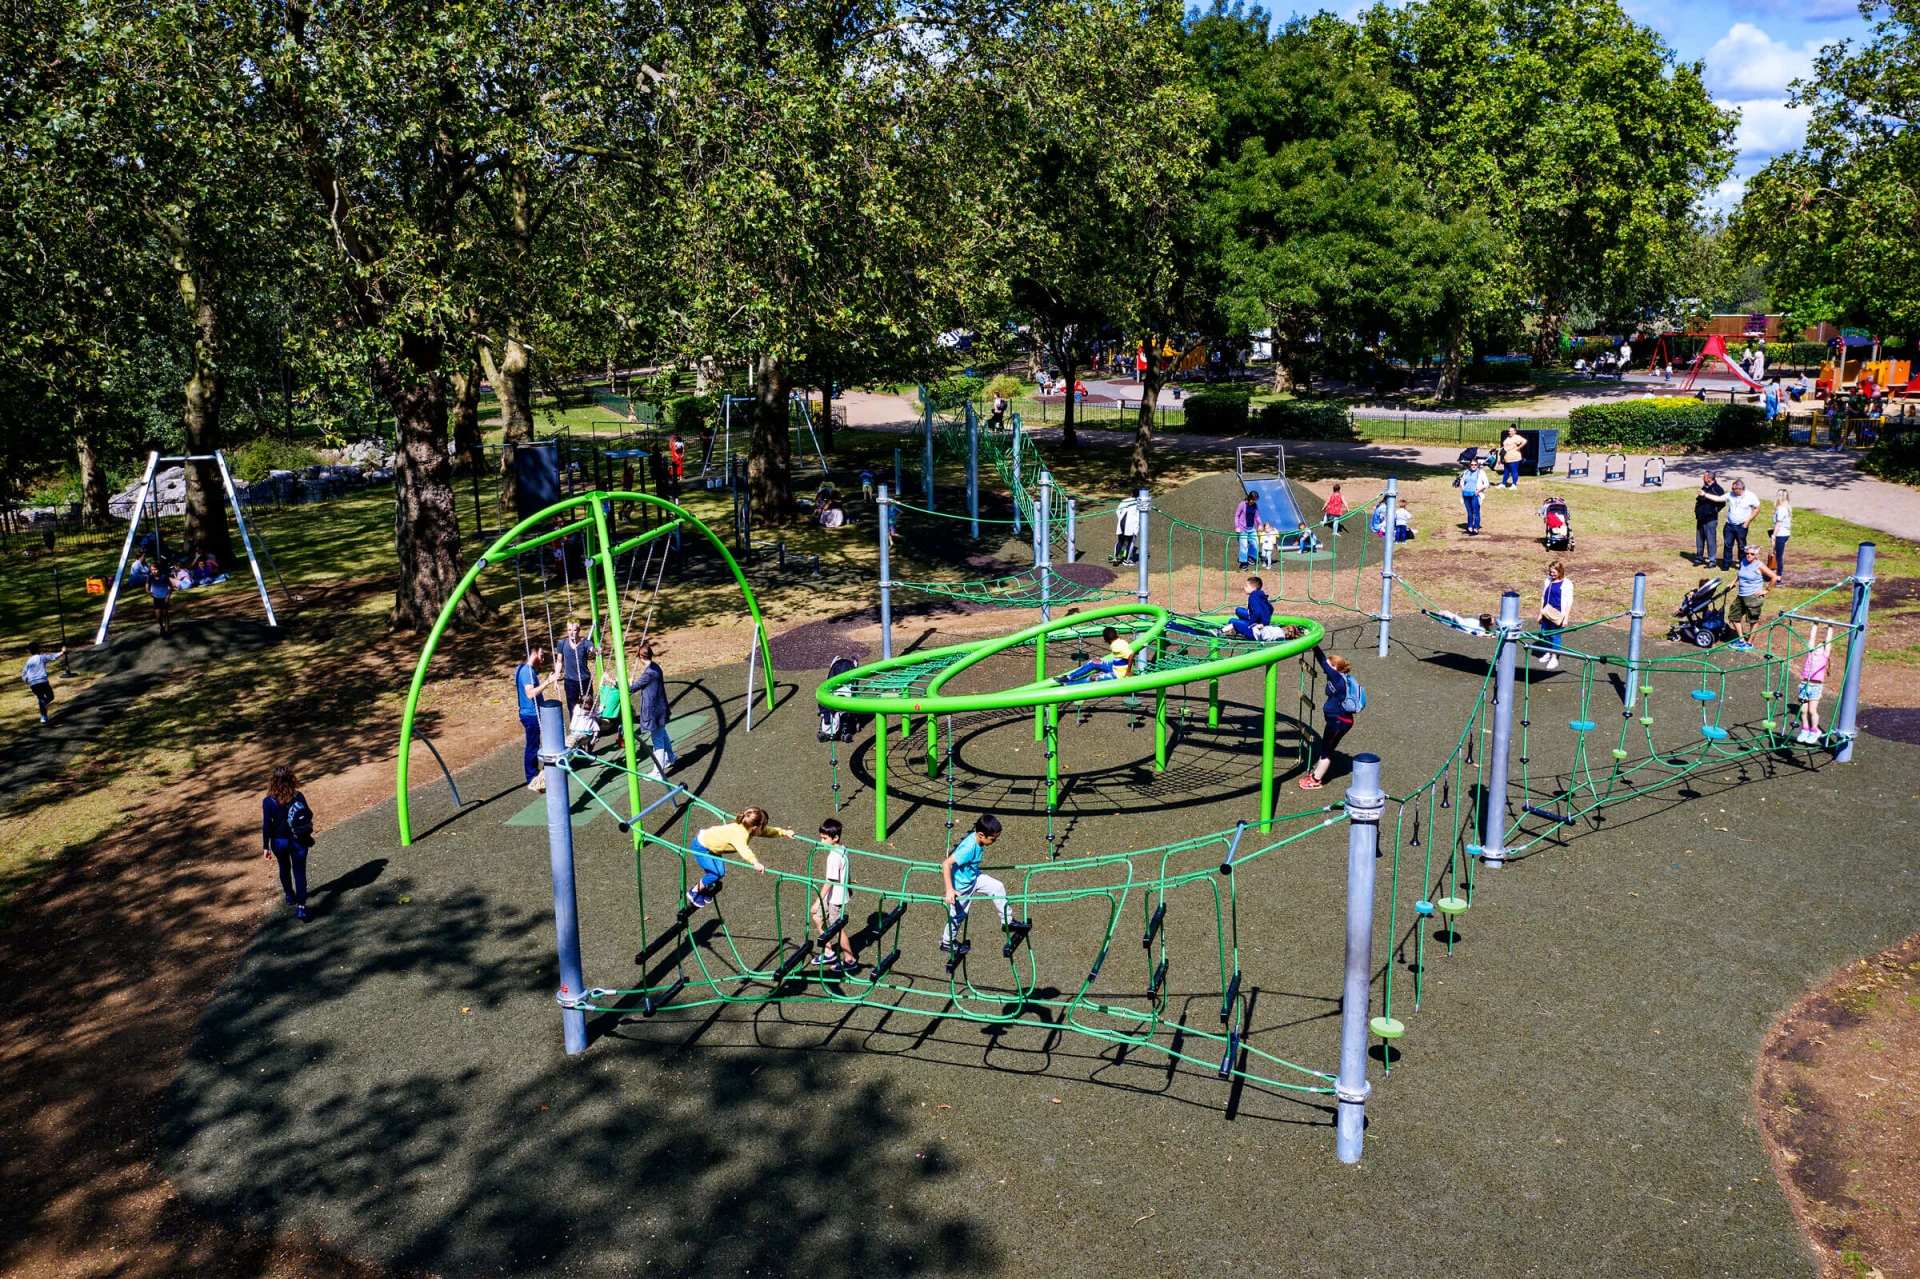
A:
1715	348
146	505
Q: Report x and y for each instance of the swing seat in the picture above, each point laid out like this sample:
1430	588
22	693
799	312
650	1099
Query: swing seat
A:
1704	695
1387	1027
1580	725
1423	908
1713	732
1451	905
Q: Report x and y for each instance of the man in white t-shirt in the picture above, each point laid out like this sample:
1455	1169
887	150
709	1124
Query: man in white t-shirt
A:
1741	506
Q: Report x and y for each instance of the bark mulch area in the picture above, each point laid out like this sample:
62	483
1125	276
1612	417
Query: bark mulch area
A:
1836	1095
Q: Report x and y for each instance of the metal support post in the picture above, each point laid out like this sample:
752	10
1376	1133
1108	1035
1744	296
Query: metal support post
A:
1386	565
879	778
1638	617
898	485
927	460
1160	730
973	470
1493	830
126	547
1140	543
1366	804
246	539
1043	544
1072	552
566	907
1268	706
1018	482
886	583
1844	721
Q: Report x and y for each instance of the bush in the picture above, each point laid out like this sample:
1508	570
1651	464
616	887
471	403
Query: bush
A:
949	394
1500	371
1216	412
690	414
1668	422
1305	420
1003	384
1896	458
255	461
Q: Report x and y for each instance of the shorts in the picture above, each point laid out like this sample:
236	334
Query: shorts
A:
1811	692
1745	608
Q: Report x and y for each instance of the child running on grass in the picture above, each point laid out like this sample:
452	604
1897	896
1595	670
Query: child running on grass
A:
1813	682
711	844
830	903
961	881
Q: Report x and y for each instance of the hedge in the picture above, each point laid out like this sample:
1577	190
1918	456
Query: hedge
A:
1305	420
1669	422
949	394
690	414
1216	412
1896	458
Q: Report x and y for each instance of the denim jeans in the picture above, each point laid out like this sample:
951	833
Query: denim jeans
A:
661	742
1098	665
1249	547
1780	556
293	870
1472	501
1512	477
531	723
1703	539
1733	545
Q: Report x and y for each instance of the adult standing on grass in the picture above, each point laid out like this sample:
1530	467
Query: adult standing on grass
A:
576	663
1782	530
1246	522
35	675
1344	700
286	833
1472	484
1513	447
1556	608
531	691
1741	507
1750	594
1706	518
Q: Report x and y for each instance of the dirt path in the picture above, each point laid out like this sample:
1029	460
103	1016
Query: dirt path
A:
1836	1094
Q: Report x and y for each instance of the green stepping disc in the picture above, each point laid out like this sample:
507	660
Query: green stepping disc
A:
1769	724
1580	725
1619	754
1647	720
1451	905
1704	695
1387	1028
1713	732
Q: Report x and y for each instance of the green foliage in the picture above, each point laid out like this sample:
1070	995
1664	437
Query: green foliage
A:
1895	458
1221	412
256	460
1305	420
949	394
691	413
1668	423
1504	373
1004	384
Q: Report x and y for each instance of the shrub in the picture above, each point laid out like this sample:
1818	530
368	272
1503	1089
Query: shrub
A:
948	394
1216	412
1305	420
690	414
1002	384
1896	458
1668	422
253	462
1500	371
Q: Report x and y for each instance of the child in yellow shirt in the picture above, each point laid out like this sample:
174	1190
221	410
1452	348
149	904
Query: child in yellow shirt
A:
711	844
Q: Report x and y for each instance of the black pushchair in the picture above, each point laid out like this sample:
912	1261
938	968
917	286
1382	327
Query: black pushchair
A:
1559	522
1703	615
840	725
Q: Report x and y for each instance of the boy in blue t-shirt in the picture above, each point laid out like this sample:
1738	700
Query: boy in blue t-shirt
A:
529	688
961	880
1258	612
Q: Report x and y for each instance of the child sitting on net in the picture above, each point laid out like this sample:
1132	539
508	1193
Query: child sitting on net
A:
830	903
713	843
961	881
1117	664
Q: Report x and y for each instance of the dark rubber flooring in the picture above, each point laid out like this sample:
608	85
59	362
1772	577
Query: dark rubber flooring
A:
1572	1099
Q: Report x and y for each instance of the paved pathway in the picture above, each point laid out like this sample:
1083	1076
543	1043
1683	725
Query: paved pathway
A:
1826	483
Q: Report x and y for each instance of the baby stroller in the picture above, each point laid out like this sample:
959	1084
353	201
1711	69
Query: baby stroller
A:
1559	522
840	725
1703	615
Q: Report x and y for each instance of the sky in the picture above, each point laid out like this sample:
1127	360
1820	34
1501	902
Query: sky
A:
1752	52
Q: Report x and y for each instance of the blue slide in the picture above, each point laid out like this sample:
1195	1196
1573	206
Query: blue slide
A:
1276	503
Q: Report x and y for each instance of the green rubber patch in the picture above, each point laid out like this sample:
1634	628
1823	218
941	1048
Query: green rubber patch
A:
1387	1027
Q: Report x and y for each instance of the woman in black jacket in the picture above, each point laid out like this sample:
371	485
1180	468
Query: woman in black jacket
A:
650	711
277	836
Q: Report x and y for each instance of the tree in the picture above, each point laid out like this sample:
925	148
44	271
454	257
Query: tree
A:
1839	219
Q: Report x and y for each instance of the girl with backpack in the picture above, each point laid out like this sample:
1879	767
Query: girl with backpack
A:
1345	699
286	833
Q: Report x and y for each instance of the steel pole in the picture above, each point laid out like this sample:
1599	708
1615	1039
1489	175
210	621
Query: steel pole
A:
973	469
1043	543
1072	553
1365	805
886	584
1494	826
1845	719
1639	617
566	906
927	462
1140	542
1386	565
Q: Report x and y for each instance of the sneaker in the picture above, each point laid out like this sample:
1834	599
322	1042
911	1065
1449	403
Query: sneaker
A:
956	947
299	912
1020	927
43	719
821	960
697	899
850	967
1741	646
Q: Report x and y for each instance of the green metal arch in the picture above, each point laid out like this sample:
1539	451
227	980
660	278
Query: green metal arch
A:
597	503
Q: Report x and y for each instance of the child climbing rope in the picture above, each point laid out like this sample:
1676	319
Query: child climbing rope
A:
1345	699
710	844
960	873
830	903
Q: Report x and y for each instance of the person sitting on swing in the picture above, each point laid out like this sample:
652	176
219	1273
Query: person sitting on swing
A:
1116	665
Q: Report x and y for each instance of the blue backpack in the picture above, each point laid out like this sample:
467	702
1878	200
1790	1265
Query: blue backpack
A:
1356	699
299	819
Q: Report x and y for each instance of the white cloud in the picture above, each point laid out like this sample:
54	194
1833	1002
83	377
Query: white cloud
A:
1726	197
1747	63
1810	10
1769	127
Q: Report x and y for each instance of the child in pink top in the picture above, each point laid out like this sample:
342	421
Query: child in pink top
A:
1813	678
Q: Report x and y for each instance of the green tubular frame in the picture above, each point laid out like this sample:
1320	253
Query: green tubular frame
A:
1045	697
505	547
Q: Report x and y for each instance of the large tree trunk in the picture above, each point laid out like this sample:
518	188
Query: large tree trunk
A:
824	425
425	527
1150	383
770	463
206	387
93	481
1068	435
464	381
1448	388
1546	343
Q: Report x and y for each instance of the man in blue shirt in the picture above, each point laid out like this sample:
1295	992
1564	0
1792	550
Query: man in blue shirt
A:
961	880
1754	577
576	664
1258	612
531	690
35	675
